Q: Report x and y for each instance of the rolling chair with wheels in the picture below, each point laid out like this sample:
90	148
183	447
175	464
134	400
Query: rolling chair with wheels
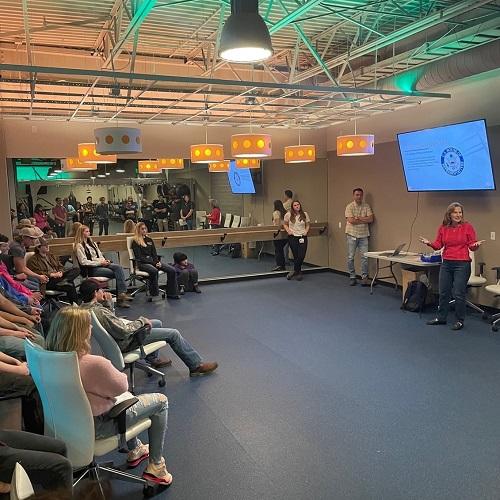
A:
495	290
132	359
136	274
68	415
473	282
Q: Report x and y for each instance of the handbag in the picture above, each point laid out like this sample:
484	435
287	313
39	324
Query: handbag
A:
139	337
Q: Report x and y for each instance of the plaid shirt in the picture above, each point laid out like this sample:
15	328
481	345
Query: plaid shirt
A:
355	210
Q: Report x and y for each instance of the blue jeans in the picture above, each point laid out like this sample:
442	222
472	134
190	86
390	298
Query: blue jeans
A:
177	342
112	271
14	346
453	278
152	405
362	245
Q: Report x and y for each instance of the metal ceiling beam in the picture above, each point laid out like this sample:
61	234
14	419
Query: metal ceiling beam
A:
404	32
292	16
28	50
119	75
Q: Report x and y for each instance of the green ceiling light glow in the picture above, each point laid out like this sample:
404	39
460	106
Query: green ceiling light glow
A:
245	37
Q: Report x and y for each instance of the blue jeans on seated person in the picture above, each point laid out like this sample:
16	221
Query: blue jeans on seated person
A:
362	245
112	271
453	277
177	342
14	346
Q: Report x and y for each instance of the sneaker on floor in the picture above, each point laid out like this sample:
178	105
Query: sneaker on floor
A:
158	473
159	362
353	282
204	369
181	290
290	275
155	298
278	268
365	281
458	325
299	276
196	288
137	455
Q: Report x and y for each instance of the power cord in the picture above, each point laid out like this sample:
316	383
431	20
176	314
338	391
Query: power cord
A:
413	223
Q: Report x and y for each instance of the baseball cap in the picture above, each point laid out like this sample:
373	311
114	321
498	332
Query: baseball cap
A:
28	232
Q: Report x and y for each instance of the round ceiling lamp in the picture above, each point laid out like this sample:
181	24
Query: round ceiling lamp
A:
118	140
247	163
171	163
245	37
304	153
149	167
87	153
251	145
221	166
207	153
74	164
356	145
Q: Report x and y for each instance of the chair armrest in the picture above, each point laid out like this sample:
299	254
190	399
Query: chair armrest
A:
481	267
122	407
497	269
119	414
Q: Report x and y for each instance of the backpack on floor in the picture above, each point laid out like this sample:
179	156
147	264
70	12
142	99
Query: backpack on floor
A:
415	296
235	250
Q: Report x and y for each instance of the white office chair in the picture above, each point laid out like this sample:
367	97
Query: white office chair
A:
227	220
20	486
106	344
137	275
245	222
475	280
495	290
201	217
68	415
101	279
236	221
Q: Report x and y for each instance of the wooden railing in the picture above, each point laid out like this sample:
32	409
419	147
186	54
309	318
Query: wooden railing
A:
198	237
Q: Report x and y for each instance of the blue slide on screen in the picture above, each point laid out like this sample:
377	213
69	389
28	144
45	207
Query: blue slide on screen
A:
449	158
240	179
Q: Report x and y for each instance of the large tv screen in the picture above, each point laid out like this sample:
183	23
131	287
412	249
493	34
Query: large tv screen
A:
240	179
448	158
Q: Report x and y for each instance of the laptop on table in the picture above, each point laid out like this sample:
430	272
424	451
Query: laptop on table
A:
395	253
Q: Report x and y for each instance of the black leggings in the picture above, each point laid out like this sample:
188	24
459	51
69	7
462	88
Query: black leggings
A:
298	250
154	289
43	458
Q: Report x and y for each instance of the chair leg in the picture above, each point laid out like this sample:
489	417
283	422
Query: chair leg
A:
153	371
132	377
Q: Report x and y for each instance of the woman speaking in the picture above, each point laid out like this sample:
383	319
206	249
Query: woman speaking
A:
456	237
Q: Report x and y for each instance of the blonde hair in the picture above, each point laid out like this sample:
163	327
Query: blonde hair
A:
79	238
69	331
74	228
129	226
138	238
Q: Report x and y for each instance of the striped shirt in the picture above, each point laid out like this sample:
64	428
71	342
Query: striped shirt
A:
355	210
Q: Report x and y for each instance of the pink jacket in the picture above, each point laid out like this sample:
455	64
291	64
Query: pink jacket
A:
15	284
102	382
40	220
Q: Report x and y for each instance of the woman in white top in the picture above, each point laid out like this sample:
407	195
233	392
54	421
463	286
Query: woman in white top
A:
279	243
296	224
93	264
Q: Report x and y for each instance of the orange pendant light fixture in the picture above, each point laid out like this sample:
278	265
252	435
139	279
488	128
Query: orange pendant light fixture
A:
247	163
302	153
171	163
87	153
356	144
221	166
118	140
75	165
149	167
207	153
251	145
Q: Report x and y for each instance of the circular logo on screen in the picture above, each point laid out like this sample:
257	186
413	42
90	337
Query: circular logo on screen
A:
452	161
237	178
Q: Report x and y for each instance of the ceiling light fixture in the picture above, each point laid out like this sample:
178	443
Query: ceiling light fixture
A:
356	145
207	153
74	164
302	153
87	153
221	166
118	140
251	145
120	170
247	163
245	37
171	163
149	167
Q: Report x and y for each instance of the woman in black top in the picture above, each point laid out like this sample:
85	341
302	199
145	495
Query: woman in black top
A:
147	260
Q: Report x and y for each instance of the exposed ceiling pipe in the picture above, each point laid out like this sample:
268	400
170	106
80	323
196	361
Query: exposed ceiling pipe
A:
455	67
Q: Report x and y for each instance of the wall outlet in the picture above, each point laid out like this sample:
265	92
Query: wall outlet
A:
492	235
340	225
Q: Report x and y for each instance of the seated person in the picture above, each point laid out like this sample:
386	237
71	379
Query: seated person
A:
60	279
129	226
147	260
9	311
16	382
99	302
187	275
70	331
12	338
92	263
43	458
26	239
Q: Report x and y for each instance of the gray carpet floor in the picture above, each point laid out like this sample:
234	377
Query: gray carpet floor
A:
326	392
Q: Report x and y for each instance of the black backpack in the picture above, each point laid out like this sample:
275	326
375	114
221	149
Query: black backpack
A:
415	296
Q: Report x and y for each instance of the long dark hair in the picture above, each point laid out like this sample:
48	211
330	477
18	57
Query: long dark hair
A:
451	207
278	205
38	208
302	215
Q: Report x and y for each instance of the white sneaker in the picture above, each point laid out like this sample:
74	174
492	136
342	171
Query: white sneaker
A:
158	473
137	455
